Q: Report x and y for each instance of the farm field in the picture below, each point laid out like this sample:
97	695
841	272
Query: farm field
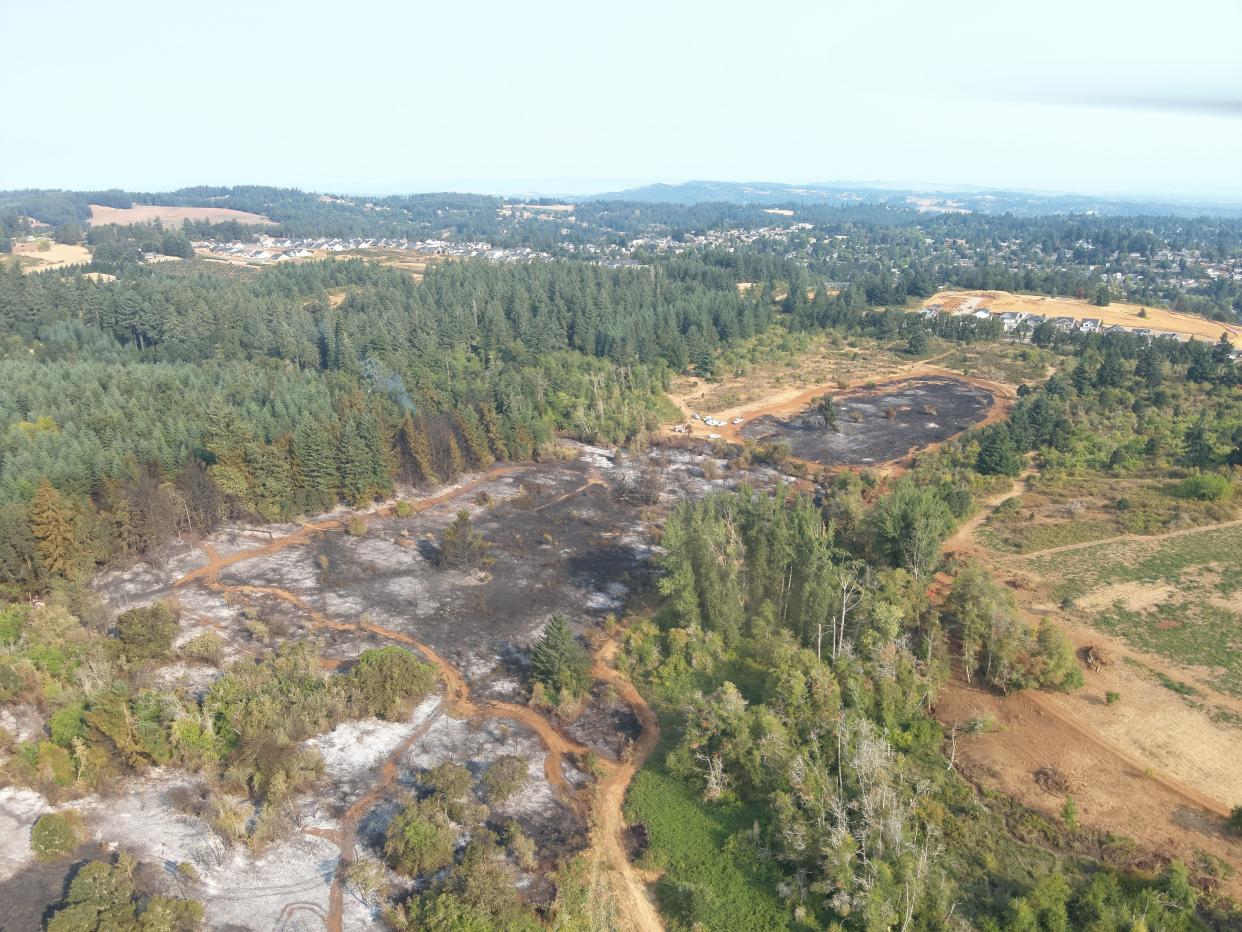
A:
170	216
1126	315
1148	744
1080	506
47	256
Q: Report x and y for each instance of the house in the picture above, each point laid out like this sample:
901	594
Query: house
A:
1064	324
982	314
1010	320
1091	325
1034	320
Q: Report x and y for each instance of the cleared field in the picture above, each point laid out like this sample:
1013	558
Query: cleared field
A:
1127	315
170	216
46	256
1079	507
1177	597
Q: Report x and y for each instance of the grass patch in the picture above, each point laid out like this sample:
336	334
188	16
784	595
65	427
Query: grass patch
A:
1197	621
713	878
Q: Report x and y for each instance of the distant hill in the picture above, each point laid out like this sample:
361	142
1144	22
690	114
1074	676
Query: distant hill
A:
947	199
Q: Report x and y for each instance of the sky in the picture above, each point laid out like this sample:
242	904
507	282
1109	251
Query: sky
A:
1112	98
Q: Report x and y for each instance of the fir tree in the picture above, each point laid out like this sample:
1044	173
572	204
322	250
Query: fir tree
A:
51	523
559	662
495	435
418	448
997	456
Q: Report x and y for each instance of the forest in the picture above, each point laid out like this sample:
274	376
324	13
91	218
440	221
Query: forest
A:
796	656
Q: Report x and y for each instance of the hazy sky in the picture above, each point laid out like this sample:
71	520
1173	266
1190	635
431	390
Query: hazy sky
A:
573	97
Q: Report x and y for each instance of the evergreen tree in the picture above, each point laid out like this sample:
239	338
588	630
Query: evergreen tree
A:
559	662
1199	450
316	462
997	456
413	436
51	524
495	434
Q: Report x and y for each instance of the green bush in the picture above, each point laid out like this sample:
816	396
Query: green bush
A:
420	839
1204	487
506	776
55	834
1234	822
388	682
147	633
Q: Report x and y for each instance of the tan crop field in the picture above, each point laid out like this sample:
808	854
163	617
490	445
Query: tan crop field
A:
1127	315
46	256
170	216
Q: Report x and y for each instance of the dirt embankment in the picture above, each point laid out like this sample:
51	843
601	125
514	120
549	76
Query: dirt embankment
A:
604	815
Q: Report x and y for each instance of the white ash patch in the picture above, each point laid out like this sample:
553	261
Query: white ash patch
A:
19	808
140	818
23	722
288	569
609	600
351	750
598	457
145	583
193	679
286	888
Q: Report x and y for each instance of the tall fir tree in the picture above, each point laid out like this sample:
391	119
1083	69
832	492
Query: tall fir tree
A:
51	523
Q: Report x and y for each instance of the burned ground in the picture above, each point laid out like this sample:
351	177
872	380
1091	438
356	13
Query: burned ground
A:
574	536
875	427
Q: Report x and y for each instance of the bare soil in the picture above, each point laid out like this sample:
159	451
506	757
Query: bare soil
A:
170	216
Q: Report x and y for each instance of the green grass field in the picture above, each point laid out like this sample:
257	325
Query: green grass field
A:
1179	598
711	878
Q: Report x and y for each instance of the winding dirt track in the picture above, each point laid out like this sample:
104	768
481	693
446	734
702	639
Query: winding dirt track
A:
1123	538
605	818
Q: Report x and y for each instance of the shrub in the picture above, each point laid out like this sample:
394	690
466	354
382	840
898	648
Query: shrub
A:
403	510
357	526
207	648
1234	823
1112	697
506	776
146	634
55	834
420	839
1204	487
388	682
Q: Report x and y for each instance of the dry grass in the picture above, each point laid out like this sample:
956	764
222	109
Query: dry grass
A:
170	216
1116	313
53	256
